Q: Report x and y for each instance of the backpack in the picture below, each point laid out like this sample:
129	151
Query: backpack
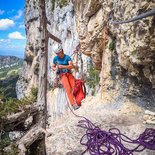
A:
79	91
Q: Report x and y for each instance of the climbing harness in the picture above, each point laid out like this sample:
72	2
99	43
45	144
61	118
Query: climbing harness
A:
57	82
79	90
78	55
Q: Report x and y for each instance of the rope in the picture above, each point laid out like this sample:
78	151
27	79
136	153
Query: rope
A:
75	51
112	142
78	53
99	142
72	109
141	16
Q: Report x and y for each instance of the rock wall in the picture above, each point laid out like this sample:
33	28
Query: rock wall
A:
29	74
128	55
128	59
124	54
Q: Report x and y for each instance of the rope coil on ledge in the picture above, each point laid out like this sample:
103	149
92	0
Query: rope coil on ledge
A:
112	142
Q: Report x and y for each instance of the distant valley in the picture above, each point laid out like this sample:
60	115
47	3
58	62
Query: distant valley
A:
9	65
9	70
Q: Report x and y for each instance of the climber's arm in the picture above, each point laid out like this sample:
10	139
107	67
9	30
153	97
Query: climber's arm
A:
69	66
54	67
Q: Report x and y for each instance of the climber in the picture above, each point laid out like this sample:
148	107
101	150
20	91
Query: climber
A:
64	64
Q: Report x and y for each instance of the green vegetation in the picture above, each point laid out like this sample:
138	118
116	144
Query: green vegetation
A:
8	87
9	106
8	80
5	141
12	105
14	150
26	80
53	5
9	71
62	3
112	45
93	77
34	93
12	72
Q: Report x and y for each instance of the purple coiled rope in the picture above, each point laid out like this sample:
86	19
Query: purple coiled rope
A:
112	142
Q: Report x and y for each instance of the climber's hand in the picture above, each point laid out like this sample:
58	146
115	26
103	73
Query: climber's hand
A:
60	66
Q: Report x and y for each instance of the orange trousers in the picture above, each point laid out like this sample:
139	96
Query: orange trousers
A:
68	82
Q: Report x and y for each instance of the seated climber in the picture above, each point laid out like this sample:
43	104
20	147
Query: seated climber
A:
64	64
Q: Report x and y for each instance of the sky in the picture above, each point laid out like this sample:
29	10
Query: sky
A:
12	31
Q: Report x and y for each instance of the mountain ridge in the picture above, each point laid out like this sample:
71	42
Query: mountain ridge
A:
9	61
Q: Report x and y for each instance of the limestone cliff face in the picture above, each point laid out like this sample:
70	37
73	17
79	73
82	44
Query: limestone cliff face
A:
128	51
128	59
135	41
29	74
124	55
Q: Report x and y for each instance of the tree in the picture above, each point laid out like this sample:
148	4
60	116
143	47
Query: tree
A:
35	136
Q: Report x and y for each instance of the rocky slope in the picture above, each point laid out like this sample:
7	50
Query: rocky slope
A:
66	135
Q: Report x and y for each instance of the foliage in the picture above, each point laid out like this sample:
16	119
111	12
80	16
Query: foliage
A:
5	141
8	80
14	150
112	45
10	71
53	5
93	77
62	3
13	105
34	93
8	87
